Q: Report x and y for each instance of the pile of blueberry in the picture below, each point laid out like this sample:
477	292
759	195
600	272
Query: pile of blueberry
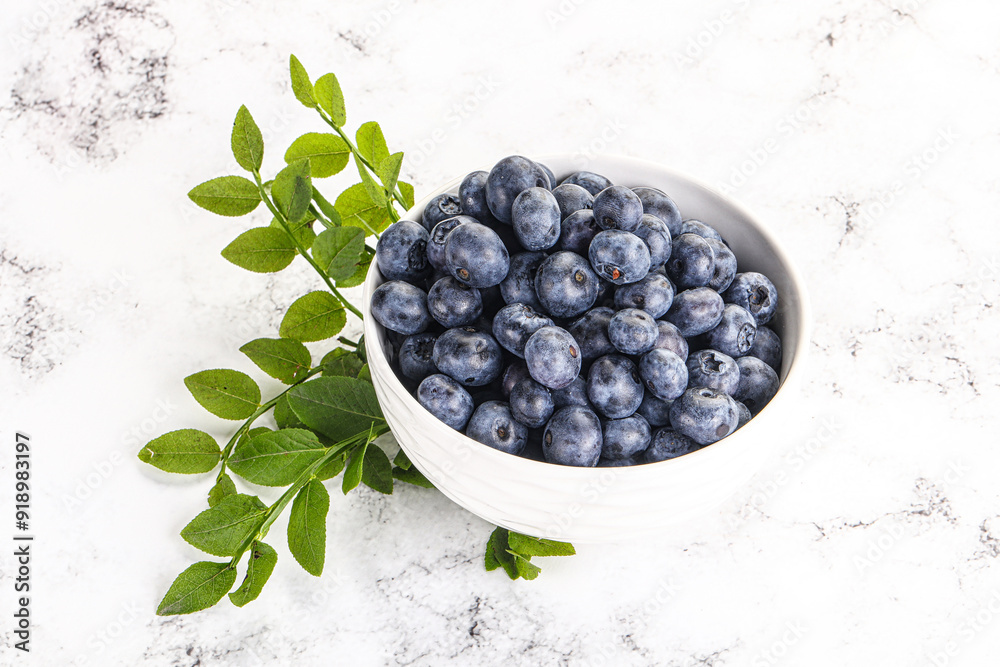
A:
583	323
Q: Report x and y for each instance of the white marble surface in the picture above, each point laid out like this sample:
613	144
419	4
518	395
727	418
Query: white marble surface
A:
864	132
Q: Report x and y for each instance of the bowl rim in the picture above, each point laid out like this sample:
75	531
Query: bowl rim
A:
585	474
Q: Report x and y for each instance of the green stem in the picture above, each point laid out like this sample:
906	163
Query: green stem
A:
302	251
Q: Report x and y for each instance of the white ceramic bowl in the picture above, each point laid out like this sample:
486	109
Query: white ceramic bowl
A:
603	504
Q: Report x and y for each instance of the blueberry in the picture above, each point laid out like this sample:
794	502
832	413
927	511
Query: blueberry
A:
656	236
492	299
696	311
438	236
754	292
745	415
471	357
553	357
617	207
713	369
606	291
578	230
415	354
548	174
519	285
531	403
401	307
656	202
453	304
621	463
510	177
401	252
493	425
704	415
445	399
758	383
632	331
767	347
514	373
664	374
625	438
514	325
565	284
655	410
701	229
476	256
572	198
535	218
691	262
591	332
670	338
735	334
669	444
724	268
588	180
472	198
573	437
613	386
440	208
618	256
653	294
575	393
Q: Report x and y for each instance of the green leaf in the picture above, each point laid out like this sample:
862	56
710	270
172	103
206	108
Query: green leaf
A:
292	190
402	460
283	415
388	170
302	231
307	527
327	209
259	567
365	373
261	250
360	274
276	458
330	98
497	554
224	487
301	85
247	141
231	196
524	566
223	529
225	393
536	546
332	468
313	316
355	469
282	358
341	361
328	154
187	451
406	190
338	251
358	210
376	472
374	190
412	476
196	588
338	407
371	142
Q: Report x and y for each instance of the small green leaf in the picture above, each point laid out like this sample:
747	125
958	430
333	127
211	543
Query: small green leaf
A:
337	407
225	393
377	471
302	231
327	209
497	554
338	251
406	190
360	274
259	567
412	476
402	460
276	458
301	85
328	154
247	142
187	451
224	487
536	546
355	469
223	529
365	373
196	588
388	170
358	210
307	527
330	98
374	190
313	316
332	468
282	358
524	566
231	196
341	361
371	142
292	190
261	250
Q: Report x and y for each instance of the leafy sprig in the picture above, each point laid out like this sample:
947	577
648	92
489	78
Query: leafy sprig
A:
327	417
